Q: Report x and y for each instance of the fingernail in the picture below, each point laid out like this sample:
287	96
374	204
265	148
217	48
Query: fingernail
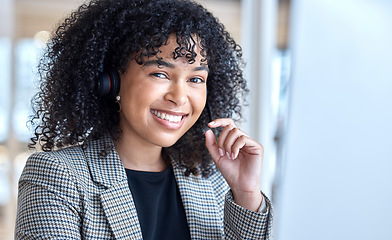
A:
211	123
221	152
232	155
228	155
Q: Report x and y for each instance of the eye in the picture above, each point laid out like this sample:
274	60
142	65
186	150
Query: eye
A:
159	75
196	80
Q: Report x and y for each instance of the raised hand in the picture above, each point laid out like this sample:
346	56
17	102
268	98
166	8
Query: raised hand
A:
239	158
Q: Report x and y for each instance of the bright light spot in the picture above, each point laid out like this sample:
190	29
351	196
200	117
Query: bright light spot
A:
41	38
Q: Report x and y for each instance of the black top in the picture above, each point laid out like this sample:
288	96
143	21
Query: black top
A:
158	204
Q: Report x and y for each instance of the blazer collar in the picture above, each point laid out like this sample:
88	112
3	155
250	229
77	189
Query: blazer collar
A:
106	168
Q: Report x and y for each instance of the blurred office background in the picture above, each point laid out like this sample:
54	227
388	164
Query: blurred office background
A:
320	75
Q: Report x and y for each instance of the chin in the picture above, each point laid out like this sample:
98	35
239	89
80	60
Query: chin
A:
167	143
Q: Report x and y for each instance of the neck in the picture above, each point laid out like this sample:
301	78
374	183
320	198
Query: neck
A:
139	156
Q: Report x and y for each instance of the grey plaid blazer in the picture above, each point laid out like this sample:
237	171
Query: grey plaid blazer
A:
77	193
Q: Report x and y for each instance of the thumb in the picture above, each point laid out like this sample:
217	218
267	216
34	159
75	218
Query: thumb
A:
212	145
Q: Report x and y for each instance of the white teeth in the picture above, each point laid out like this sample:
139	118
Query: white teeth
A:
168	117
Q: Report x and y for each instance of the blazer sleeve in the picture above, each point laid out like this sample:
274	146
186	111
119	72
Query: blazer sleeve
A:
47	201
240	223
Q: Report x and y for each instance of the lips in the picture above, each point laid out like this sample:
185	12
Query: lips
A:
168	117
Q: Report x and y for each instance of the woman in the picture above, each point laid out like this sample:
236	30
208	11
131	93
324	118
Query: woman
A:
121	120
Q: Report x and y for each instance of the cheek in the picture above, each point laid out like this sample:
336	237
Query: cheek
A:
198	102
141	95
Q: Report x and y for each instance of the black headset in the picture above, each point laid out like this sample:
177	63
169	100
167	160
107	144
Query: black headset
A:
109	83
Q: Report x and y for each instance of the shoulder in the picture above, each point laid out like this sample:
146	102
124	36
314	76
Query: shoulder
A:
53	160
67	154
50	196
54	169
84	166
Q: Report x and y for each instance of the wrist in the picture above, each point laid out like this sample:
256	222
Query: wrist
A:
249	200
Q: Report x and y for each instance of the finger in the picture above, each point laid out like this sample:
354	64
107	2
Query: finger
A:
212	145
246	144
221	122
223	136
230	139
239	143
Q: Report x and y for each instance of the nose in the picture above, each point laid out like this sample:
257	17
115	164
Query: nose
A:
177	93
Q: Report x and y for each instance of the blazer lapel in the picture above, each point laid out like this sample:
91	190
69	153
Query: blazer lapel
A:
116	199
120	210
200	204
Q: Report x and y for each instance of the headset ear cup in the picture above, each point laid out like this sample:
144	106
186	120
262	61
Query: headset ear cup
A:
115	83
109	84
104	84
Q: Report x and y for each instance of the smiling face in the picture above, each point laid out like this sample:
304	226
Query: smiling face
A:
161	100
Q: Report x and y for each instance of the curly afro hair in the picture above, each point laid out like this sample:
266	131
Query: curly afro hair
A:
105	33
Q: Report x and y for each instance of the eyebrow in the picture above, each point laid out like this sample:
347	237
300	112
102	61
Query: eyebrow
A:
170	65
158	63
202	68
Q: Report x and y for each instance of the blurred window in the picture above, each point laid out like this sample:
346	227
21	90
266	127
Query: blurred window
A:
5	86
27	53
5	186
4	177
